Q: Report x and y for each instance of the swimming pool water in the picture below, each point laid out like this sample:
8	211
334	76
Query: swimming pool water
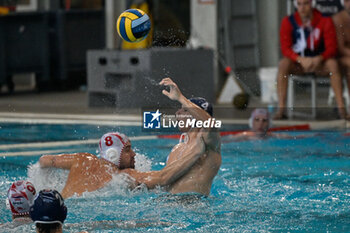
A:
272	185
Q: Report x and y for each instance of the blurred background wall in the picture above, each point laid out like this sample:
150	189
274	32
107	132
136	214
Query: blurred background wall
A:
244	35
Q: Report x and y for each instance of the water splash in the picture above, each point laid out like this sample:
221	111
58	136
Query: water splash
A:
142	163
152	81
47	178
16	226
118	186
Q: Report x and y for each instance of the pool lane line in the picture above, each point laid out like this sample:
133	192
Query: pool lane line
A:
48	144
67	121
106	117
136	120
65	143
314	126
290	128
136	138
32	153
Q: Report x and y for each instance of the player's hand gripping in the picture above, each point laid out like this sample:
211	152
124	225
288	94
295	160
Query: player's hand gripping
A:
174	93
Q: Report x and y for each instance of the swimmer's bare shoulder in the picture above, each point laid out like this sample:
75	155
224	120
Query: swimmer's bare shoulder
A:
242	136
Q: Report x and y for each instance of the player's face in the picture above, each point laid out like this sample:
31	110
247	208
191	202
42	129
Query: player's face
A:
260	124
127	158
347	5
304	8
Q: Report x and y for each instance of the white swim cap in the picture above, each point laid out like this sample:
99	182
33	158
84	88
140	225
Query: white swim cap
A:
112	145
259	112
20	196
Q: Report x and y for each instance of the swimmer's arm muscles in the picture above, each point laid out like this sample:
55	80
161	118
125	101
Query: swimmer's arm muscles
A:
64	161
211	136
170	173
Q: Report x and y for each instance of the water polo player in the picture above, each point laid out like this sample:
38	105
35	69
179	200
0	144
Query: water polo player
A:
199	178
259	124
89	172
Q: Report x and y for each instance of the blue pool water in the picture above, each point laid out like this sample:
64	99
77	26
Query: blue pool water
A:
271	185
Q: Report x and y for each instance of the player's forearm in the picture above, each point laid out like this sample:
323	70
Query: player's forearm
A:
174	170
47	161
170	173
64	161
178	168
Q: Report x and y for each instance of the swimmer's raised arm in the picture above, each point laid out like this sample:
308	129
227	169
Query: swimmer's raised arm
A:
171	172
175	94
210	136
64	161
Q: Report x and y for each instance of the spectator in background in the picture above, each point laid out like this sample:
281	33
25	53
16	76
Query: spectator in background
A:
48	211
342	25
308	44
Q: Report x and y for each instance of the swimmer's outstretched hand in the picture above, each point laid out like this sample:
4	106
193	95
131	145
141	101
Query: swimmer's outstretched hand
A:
174	93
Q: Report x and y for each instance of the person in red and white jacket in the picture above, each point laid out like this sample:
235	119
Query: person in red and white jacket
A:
309	45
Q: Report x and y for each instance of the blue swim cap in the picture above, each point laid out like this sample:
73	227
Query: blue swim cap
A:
48	208
203	104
